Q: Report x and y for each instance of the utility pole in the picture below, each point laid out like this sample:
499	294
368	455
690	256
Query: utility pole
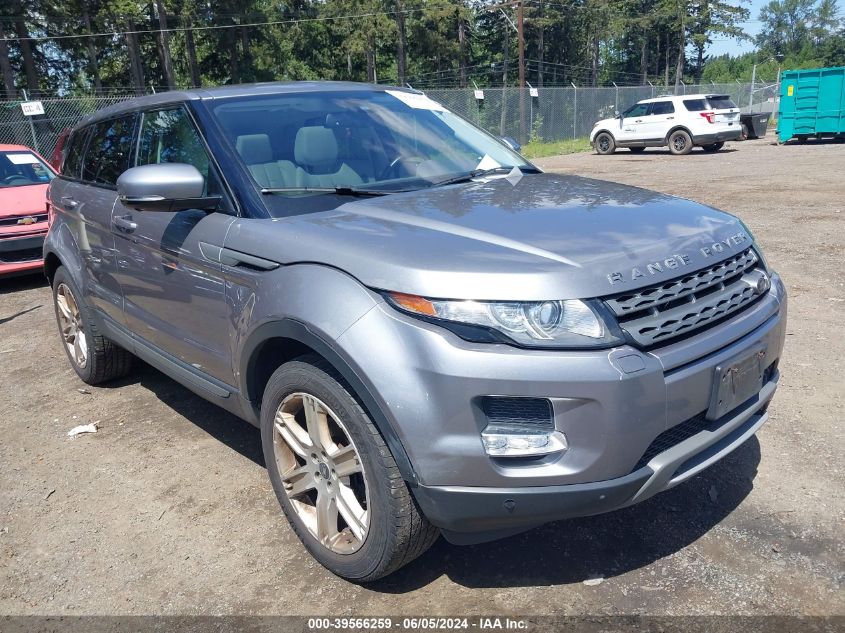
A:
751	92
520	30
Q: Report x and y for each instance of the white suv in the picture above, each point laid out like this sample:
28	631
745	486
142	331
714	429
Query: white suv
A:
680	122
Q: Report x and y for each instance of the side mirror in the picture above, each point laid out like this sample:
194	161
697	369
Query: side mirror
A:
617	114
511	142
166	187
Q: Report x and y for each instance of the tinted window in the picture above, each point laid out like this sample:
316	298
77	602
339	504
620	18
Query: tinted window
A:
721	102
75	149
695	105
168	136
662	107
108	151
641	109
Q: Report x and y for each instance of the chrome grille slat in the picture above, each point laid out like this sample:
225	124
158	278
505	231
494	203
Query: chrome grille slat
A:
13	220
630	302
659	313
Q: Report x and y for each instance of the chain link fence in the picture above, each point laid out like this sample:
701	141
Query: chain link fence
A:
554	114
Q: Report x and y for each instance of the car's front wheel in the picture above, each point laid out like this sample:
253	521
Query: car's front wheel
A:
713	147
605	143
680	143
334	476
94	357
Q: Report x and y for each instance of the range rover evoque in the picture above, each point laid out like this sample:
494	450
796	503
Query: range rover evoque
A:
432	335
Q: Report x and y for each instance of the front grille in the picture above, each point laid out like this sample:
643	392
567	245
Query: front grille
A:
13	221
23	255
522	414
659	313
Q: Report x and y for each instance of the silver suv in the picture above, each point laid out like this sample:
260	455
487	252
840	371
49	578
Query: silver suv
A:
433	335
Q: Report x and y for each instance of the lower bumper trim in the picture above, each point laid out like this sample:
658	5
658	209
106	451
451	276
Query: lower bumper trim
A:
719	137
487	511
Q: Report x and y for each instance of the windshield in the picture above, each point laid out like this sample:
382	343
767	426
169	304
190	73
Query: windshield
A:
19	168
378	141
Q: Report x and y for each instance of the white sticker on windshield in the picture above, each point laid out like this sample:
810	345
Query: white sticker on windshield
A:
487	163
414	100
23	159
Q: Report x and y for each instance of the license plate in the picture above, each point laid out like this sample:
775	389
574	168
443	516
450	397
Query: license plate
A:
736	381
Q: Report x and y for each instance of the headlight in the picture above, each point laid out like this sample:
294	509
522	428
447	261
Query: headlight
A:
571	323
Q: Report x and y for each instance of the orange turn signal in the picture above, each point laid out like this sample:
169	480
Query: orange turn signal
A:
413	303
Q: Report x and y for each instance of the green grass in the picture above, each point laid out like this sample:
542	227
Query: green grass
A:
541	149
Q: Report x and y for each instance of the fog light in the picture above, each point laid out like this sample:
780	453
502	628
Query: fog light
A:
523	444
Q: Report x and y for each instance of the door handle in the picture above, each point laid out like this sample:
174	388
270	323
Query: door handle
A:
669	118
68	203
124	223
638	120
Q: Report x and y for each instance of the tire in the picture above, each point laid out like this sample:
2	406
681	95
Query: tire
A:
605	144
680	142
385	529
713	147
744	133
94	358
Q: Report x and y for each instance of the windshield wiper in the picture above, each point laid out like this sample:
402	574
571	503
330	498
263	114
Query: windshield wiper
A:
340	191
480	173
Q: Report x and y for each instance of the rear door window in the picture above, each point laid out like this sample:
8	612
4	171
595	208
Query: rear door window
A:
695	105
662	107
109	151
75	150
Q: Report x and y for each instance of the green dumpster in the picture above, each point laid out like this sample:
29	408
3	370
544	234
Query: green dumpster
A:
812	103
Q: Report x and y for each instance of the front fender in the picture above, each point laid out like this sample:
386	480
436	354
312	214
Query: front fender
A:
308	305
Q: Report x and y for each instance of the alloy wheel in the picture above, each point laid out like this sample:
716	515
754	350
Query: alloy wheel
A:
321	472
679	143
71	326
604	143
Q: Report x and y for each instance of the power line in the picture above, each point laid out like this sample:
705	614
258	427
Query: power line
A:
326	18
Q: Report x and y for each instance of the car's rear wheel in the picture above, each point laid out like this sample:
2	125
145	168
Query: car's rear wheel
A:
680	143
605	143
744	133
713	147
637	150
334	476
94	358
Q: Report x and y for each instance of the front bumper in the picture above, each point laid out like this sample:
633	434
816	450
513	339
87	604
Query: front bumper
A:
21	253
610	404
472	515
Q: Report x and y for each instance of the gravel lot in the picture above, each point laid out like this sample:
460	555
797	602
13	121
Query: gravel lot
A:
167	509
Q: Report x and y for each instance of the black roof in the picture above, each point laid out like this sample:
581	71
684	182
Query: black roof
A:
222	92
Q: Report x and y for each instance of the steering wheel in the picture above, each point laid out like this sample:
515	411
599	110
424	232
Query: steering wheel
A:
8	180
400	159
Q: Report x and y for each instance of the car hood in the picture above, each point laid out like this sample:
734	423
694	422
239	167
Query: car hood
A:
542	236
607	123
24	200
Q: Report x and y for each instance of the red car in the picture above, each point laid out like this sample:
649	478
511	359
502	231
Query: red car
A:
24	176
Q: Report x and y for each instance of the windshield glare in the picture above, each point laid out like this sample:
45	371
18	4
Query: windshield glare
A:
20	168
374	140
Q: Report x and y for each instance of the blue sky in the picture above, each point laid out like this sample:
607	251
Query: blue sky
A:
752	27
